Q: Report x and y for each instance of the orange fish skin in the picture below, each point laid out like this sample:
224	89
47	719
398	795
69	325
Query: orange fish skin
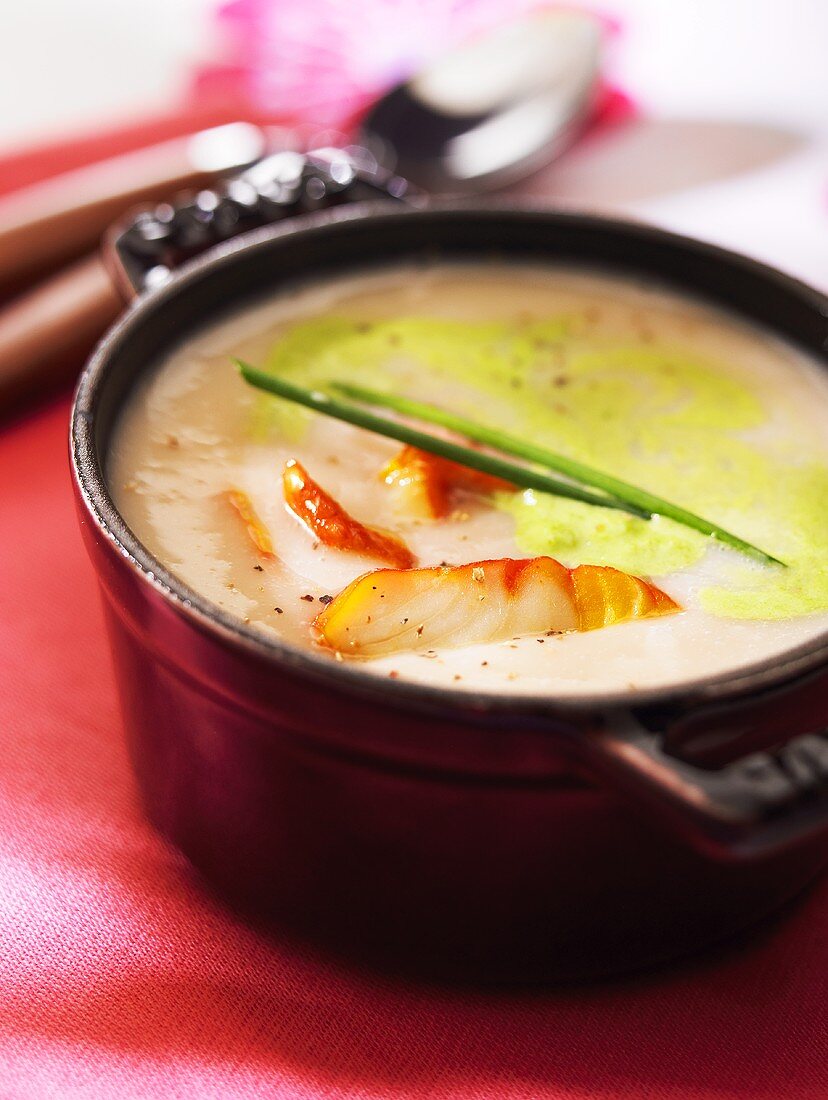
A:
605	596
392	610
419	482
389	610
328	521
257	531
426	481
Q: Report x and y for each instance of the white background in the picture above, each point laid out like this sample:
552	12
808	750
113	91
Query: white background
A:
734	146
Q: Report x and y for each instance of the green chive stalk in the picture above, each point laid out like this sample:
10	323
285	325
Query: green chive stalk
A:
620	490
392	429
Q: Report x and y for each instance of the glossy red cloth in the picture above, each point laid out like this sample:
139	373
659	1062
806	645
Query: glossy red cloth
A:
120	976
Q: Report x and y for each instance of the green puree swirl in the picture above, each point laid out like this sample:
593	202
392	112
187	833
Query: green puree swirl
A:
666	419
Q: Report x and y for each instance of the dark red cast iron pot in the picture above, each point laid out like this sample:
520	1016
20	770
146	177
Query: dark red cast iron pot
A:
478	836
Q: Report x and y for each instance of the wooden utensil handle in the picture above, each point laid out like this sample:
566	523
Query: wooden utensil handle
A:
46	333
64	217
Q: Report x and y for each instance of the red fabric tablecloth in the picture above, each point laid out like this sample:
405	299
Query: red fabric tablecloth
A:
120	976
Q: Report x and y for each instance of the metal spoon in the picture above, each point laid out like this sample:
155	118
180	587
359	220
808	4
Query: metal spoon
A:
492	111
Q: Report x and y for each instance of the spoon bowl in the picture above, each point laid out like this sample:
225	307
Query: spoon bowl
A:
493	110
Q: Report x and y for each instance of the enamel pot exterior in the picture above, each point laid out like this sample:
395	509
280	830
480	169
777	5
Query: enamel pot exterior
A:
422	829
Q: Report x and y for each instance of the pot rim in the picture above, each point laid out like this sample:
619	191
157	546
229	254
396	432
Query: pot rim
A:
91	486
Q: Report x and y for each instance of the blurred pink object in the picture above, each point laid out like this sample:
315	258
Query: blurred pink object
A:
323	61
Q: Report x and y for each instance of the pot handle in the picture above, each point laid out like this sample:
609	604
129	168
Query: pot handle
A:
142	252
751	805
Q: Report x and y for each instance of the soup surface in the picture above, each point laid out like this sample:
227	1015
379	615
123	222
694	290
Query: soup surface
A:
658	389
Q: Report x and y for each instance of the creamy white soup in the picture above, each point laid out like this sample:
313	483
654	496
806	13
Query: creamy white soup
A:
663	391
